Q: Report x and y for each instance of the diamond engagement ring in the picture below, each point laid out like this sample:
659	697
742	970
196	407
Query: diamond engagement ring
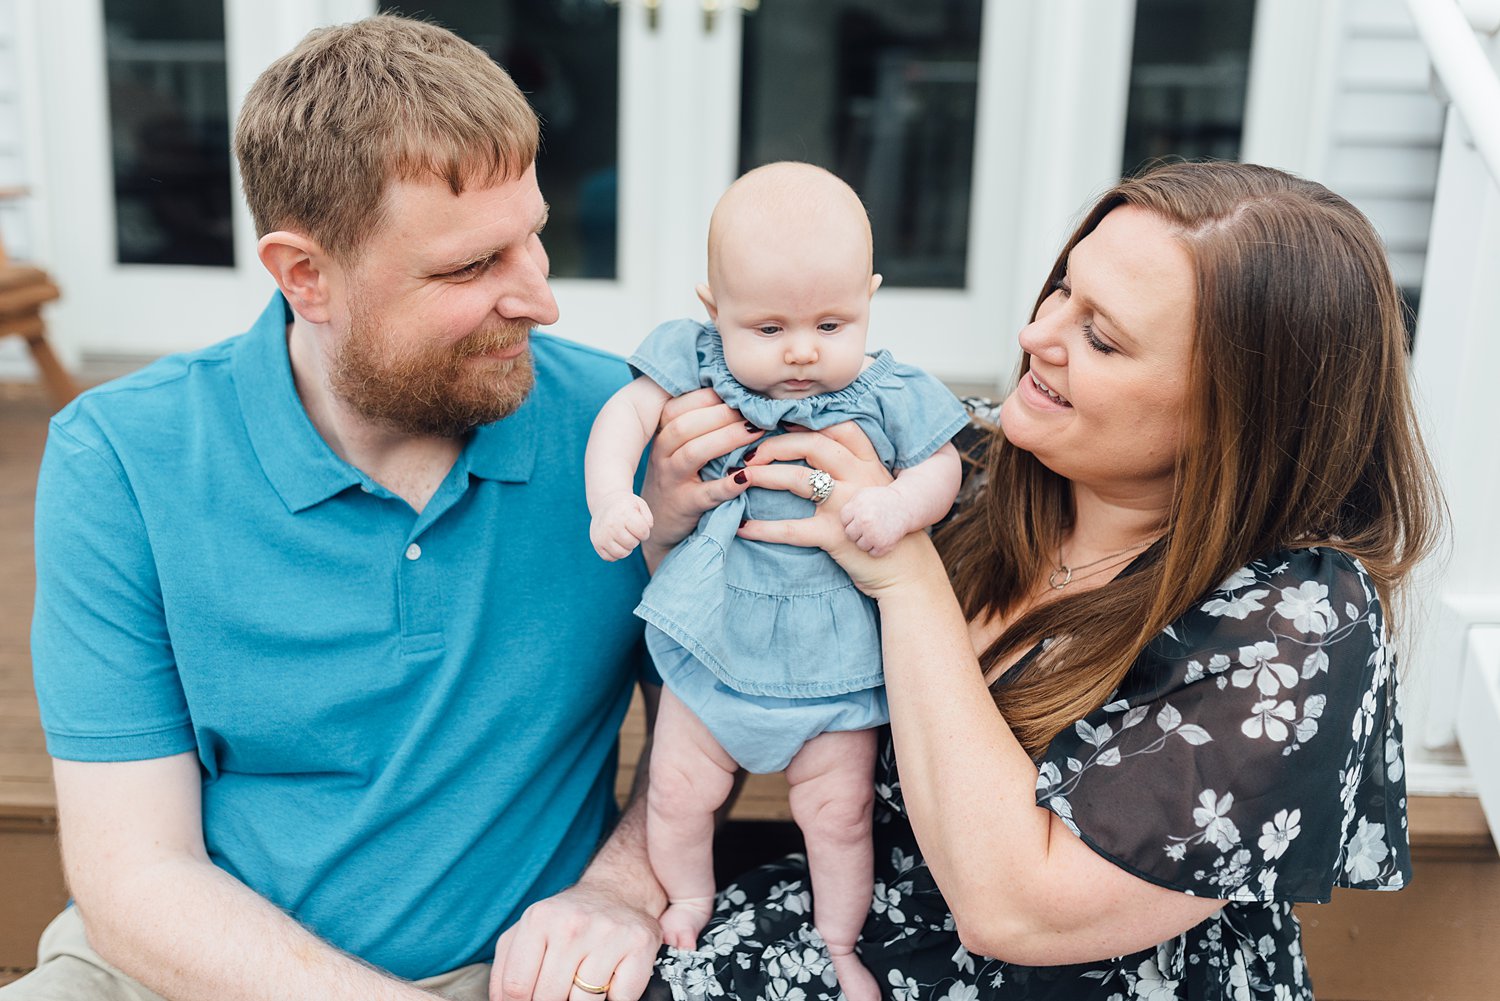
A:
822	486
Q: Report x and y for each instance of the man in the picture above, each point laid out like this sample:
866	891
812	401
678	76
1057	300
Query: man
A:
329	672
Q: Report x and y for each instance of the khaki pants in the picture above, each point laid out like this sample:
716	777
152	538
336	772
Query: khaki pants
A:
68	969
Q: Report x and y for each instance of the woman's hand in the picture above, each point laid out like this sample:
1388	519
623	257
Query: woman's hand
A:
843	452
695	428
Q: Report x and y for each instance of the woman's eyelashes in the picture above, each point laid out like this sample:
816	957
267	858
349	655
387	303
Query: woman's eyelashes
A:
1090	336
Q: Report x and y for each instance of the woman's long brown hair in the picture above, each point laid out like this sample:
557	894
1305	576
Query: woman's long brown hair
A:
1299	431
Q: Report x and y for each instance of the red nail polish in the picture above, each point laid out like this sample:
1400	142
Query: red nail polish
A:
740	477
751	428
751	454
743	521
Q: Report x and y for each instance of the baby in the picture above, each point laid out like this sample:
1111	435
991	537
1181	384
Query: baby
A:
770	656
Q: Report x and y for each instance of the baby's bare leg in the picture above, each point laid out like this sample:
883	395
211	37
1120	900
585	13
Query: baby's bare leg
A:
691	776
832	792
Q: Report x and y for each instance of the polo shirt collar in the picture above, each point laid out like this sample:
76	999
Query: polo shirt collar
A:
506	449
301	466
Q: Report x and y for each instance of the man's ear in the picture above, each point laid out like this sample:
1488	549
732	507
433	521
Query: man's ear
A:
301	270
706	296
875	281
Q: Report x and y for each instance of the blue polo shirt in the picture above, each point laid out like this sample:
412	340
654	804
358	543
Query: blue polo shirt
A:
406	722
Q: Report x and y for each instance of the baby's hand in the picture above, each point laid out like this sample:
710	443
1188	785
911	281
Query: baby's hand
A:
621	525
875	519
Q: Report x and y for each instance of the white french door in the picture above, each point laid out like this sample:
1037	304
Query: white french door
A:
973	129
146	232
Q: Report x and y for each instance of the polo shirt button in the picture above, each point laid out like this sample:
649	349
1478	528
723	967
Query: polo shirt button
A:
365	487
413	551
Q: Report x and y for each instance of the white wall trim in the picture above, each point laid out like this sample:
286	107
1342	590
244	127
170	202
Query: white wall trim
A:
1294	59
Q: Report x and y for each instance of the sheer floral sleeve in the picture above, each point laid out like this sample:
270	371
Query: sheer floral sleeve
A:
1254	751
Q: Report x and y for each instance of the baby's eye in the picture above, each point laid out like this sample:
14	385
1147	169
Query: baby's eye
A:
829	327
770	330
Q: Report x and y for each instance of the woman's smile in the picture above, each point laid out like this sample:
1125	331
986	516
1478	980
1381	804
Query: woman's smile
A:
1048	391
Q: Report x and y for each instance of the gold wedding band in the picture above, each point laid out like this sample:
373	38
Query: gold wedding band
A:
588	988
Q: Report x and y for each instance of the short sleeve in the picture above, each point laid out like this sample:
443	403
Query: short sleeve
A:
106	679
670	356
1254	751
919	417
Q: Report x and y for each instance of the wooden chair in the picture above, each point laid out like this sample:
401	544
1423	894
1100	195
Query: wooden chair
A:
23	291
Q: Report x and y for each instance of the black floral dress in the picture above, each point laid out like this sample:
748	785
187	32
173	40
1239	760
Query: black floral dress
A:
1252	754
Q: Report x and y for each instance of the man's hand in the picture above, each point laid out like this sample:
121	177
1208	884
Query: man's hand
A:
590	931
695	428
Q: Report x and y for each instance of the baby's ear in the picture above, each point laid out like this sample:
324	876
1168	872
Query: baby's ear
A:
706	296
875	281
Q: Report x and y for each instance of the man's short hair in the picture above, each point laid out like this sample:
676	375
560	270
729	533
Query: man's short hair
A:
327	126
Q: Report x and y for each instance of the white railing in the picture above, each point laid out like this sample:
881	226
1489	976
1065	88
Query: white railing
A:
1447	28
1456	362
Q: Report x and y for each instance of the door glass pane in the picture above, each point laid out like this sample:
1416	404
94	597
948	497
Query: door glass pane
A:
565	56
1188	71
169	131
882	93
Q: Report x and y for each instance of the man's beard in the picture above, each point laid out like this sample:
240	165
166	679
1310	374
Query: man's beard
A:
422	390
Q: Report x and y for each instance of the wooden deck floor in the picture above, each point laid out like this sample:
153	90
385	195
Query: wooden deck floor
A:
25	775
30	885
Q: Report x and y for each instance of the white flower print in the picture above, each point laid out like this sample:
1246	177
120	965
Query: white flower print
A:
1266	717
1237	607
1212	817
796	964
1367	850
1239	978
1150	985
1307	606
781	990
1212	679
906	988
1278	832
887	899
791	896
700	980
1269	677
962	992
1394	766
1243	577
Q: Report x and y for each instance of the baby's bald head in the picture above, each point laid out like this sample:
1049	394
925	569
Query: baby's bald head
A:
793	205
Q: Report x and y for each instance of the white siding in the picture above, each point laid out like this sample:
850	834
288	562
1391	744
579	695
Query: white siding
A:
16	218
1385	129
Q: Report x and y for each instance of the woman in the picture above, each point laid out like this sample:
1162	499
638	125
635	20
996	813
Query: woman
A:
1172	574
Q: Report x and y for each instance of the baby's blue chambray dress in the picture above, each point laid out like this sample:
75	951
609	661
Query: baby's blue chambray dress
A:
771	645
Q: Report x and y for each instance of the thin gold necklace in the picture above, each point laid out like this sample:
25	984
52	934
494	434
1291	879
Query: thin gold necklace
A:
1068	572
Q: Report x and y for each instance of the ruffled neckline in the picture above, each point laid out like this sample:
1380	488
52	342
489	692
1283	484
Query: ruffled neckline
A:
814	412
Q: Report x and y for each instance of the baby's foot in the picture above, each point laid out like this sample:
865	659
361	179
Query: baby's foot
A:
855	981
684	919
